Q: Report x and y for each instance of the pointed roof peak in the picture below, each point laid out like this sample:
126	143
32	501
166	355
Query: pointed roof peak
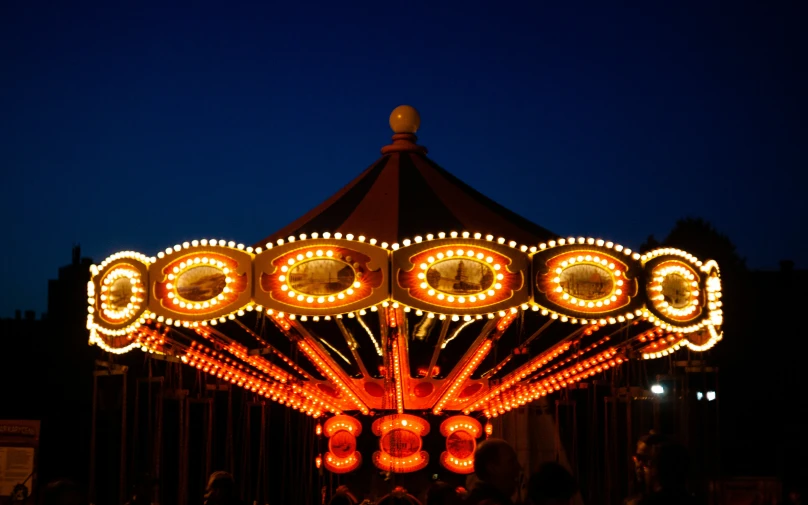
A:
405	121
405	194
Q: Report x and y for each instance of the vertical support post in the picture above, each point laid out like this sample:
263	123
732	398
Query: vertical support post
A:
135	428
717	425
607	466
209	439
107	369
261	471
557	433
184	416
158	439
655	406
92	439
228	448
574	462
122	482
629	438
149	422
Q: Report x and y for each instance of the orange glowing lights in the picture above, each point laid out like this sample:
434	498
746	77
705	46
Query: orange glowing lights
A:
400	443
333	375
392	317
342	432
342	465
200	283
320	277
117	297
122	293
587	281
506	321
523	394
674	291
209	361
458	465
400	421
342	423
468	369
519	374
384	461
461	434
660	343
461	423
397	375
460	277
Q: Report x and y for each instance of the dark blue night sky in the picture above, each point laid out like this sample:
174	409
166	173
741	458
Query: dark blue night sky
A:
127	126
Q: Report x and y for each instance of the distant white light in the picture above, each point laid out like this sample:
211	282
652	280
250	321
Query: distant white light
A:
657	389
699	395
710	396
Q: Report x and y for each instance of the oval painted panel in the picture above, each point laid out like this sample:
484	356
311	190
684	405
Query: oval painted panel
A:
400	443
676	290
120	294
200	284
460	276
325	388
586	281
470	390
342	444
374	389
321	277
699	337
423	389
460	444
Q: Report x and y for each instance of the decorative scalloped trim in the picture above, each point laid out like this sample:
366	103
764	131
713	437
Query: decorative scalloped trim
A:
92	325
589	241
642	313
404	243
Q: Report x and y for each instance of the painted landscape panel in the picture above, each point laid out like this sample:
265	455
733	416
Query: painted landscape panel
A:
586	282
321	277
120	294
202	283
460	276
676	290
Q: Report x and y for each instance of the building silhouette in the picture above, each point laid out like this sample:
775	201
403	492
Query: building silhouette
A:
47	373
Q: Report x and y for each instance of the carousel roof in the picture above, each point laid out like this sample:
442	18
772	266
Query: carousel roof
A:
403	192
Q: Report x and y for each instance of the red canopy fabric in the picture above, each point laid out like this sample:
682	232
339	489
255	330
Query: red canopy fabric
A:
405	194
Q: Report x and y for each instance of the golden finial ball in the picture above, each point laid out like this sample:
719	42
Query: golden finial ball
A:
405	119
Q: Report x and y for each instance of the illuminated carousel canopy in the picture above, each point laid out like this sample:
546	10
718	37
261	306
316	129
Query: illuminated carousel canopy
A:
404	194
410	297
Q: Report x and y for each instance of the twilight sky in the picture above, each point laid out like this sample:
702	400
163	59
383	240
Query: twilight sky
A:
138	125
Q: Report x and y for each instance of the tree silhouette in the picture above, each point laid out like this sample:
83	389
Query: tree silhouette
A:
650	243
700	238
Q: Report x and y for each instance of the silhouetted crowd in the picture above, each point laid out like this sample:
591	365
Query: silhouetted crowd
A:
661	476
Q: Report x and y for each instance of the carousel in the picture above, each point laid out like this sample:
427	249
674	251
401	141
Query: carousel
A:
408	306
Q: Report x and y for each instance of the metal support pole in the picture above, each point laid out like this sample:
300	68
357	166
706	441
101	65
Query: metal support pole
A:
93	425
135	429
607	432
122	482
158	443
184	415
629	437
209	440
228	449
655	406
108	370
